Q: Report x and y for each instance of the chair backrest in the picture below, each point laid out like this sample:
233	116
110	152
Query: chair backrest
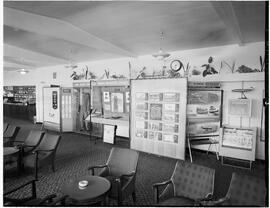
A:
11	131
34	137
122	161
5	127
246	190
192	180
49	142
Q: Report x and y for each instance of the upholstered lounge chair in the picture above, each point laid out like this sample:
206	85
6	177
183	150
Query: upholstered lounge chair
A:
120	170
31	142
43	154
189	184
244	190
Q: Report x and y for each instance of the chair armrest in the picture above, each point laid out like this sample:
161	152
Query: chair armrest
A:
127	175
156	189
19	187
59	201
92	168
47	199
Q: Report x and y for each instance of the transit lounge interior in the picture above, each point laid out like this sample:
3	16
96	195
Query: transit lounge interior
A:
135	103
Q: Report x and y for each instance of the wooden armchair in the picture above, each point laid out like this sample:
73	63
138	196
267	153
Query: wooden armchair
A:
43	154
31	200
244	190
188	185
120	170
30	143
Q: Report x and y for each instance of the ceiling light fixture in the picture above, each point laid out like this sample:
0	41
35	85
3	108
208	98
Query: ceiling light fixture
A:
23	71
161	55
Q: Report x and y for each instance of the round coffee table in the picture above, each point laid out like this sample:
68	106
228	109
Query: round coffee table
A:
95	192
13	151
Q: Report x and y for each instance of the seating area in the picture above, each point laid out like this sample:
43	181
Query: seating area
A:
204	182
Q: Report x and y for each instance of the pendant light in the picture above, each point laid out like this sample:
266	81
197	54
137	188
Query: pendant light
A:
161	55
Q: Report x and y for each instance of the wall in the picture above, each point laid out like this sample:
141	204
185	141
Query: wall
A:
245	55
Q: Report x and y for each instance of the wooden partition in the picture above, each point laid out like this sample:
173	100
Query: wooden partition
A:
158	116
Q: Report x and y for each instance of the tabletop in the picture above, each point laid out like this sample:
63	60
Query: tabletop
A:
94	192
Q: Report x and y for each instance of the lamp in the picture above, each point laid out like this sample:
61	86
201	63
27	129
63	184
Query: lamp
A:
23	71
161	55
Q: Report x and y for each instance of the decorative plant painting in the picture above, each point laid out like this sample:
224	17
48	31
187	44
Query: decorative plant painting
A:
209	69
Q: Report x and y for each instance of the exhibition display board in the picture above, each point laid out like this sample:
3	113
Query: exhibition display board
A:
239	143
158	116
51	108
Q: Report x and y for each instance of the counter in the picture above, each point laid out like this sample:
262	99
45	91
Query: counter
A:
19	110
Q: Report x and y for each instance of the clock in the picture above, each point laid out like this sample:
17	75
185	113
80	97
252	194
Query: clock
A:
176	65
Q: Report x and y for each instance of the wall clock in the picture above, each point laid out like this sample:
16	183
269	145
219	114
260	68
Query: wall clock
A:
176	65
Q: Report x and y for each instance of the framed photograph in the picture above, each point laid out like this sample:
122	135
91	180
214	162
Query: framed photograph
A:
168	138
109	133
169	117
171	97
155	135
141	106
204	97
240	107
155	97
141	96
156	112
171	128
141	115
117	102
155	126
204	128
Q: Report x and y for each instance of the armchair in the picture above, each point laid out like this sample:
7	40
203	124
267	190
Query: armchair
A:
10	134
43	154
5	127
244	190
32	200
120	170
29	144
188	185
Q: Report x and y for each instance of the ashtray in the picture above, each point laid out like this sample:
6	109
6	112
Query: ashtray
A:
83	184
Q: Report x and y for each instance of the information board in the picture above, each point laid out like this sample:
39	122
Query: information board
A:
158	116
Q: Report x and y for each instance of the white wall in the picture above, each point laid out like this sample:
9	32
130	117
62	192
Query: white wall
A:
245	55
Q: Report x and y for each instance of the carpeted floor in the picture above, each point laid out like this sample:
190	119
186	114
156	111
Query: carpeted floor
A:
76	152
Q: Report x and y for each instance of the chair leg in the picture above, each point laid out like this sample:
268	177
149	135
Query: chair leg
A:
134	196
36	173
189	148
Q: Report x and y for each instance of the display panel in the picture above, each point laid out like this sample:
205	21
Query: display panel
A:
240	107
159	116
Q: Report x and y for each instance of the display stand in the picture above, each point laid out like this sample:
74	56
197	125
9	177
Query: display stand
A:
238	144
158	116
204	116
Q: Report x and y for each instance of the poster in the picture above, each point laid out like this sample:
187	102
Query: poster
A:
141	106
155	135
238	138
108	133
155	97
204	128
141	115
141	96
204	97
106	96
169	117
155	126
171	128
171	107
240	107
171	97
141	133
117	102
156	112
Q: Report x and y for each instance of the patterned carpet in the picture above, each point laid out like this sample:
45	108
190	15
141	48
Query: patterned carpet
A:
76	152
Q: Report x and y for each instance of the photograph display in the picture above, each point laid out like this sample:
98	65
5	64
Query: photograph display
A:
117	102
238	138
171	97
141	115
169	117
141	133
155	135
170	138
155	111
155	126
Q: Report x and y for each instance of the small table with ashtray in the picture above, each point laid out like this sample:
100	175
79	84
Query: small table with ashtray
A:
87	190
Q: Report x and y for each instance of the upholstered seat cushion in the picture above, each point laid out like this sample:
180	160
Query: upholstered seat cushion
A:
177	201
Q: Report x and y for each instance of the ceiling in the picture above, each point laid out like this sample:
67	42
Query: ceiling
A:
46	33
